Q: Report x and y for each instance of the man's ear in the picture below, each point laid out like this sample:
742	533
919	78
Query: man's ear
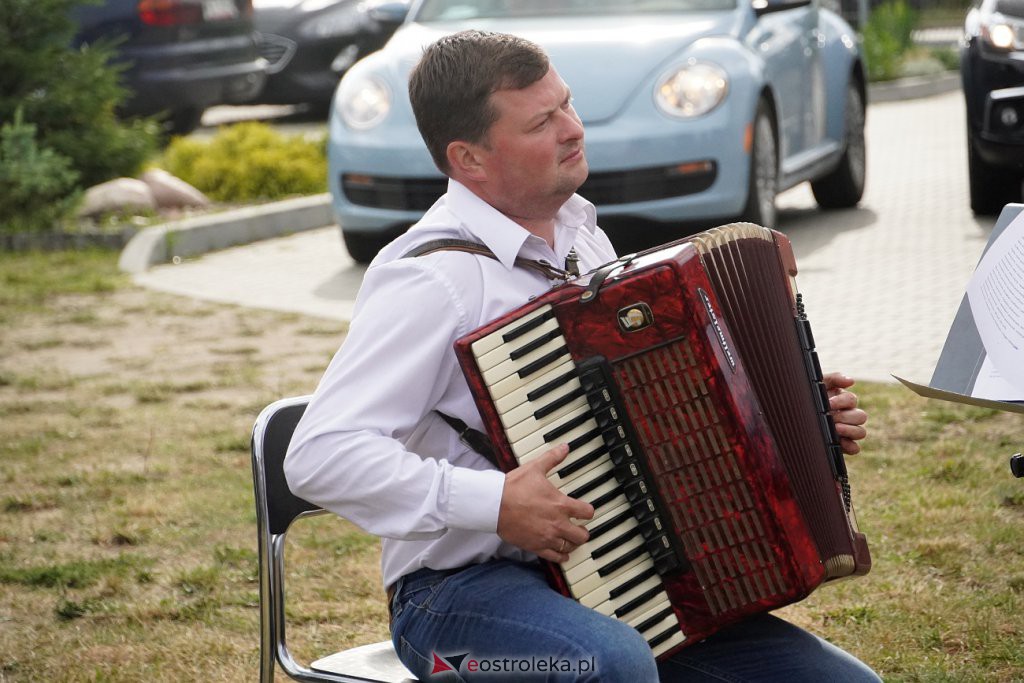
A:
466	160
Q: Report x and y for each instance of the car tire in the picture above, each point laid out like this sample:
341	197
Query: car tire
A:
843	187
763	183
991	187
363	247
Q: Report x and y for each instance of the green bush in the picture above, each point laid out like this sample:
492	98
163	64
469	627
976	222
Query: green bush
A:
248	161
887	37
37	185
71	96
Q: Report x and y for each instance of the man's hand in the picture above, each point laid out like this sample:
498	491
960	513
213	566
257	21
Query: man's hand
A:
848	417
536	516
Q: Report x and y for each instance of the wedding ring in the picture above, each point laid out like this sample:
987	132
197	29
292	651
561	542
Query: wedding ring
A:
561	548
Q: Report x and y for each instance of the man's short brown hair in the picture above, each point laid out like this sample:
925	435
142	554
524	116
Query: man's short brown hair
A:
451	86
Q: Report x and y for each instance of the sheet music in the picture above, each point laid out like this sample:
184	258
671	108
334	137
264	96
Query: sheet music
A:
996	295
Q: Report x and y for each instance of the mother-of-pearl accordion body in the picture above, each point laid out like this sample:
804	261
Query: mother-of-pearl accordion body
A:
686	383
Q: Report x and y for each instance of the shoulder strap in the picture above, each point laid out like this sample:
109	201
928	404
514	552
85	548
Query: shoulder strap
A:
546	269
473	438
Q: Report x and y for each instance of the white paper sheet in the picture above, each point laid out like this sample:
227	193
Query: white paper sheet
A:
996	294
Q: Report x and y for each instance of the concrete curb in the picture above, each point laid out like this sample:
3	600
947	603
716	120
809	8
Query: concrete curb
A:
914	88
201	234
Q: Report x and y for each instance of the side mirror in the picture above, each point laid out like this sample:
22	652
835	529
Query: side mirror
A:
389	13
762	7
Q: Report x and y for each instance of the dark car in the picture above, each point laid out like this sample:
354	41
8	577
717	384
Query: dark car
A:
180	56
992	69
310	44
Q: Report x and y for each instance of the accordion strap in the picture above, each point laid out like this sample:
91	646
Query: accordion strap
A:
473	438
543	267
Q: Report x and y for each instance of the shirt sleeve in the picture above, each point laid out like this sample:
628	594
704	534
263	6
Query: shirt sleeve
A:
347	454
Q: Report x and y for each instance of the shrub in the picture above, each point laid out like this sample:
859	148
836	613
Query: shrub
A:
36	183
249	161
887	37
70	95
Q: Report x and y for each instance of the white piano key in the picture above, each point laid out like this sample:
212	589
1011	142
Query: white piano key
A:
610	606
503	352
512	391
533	445
599	467
602	593
593	581
678	638
512	416
530	425
589	565
495	339
507	367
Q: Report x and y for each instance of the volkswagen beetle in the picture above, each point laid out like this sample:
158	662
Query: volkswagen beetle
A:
694	110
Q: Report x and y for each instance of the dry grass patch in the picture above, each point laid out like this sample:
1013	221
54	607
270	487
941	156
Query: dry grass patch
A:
127	530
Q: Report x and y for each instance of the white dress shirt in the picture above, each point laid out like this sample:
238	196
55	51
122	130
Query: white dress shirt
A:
371	446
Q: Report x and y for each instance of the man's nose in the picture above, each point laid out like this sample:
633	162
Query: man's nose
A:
572	127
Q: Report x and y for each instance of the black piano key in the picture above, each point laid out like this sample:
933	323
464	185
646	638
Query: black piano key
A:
652	527
662	637
541	413
542	362
534	344
658	544
621	562
667	562
566	427
622	454
517	332
632	583
591	485
611	545
601	501
605	527
639	601
548	387
607	418
653	621
584	439
582	461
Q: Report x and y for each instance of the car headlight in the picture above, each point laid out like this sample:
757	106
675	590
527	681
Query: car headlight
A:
345	20
363	102
1003	33
691	90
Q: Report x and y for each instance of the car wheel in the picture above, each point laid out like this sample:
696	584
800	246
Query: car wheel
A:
991	188
844	186
764	171
363	247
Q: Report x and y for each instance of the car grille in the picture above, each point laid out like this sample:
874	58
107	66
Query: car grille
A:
603	189
277	50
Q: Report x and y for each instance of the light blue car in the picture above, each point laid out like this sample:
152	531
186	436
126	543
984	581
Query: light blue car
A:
694	110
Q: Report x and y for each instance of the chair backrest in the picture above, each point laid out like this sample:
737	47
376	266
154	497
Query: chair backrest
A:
276	508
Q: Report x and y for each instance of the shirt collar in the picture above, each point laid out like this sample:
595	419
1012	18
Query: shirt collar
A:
502	235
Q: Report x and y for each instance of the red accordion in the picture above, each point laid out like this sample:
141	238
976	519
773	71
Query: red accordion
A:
686	383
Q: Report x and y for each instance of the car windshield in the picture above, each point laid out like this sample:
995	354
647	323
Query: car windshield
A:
456	10
1013	8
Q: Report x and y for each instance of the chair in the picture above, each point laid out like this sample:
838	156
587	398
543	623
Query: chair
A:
276	509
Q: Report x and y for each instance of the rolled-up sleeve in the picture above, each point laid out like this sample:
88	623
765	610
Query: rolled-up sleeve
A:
347	454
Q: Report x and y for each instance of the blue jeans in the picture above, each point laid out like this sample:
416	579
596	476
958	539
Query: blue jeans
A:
501	621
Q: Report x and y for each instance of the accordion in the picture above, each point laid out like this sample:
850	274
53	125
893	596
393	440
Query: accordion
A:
686	383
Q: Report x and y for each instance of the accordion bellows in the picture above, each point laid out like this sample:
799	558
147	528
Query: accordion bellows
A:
686	383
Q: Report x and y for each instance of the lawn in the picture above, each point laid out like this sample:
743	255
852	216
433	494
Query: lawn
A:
127	533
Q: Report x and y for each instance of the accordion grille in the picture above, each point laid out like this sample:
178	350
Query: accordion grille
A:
697	476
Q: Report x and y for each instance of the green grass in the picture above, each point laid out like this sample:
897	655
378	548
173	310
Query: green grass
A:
127	530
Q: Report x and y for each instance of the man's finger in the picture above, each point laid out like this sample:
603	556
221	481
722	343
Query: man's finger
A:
547	460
